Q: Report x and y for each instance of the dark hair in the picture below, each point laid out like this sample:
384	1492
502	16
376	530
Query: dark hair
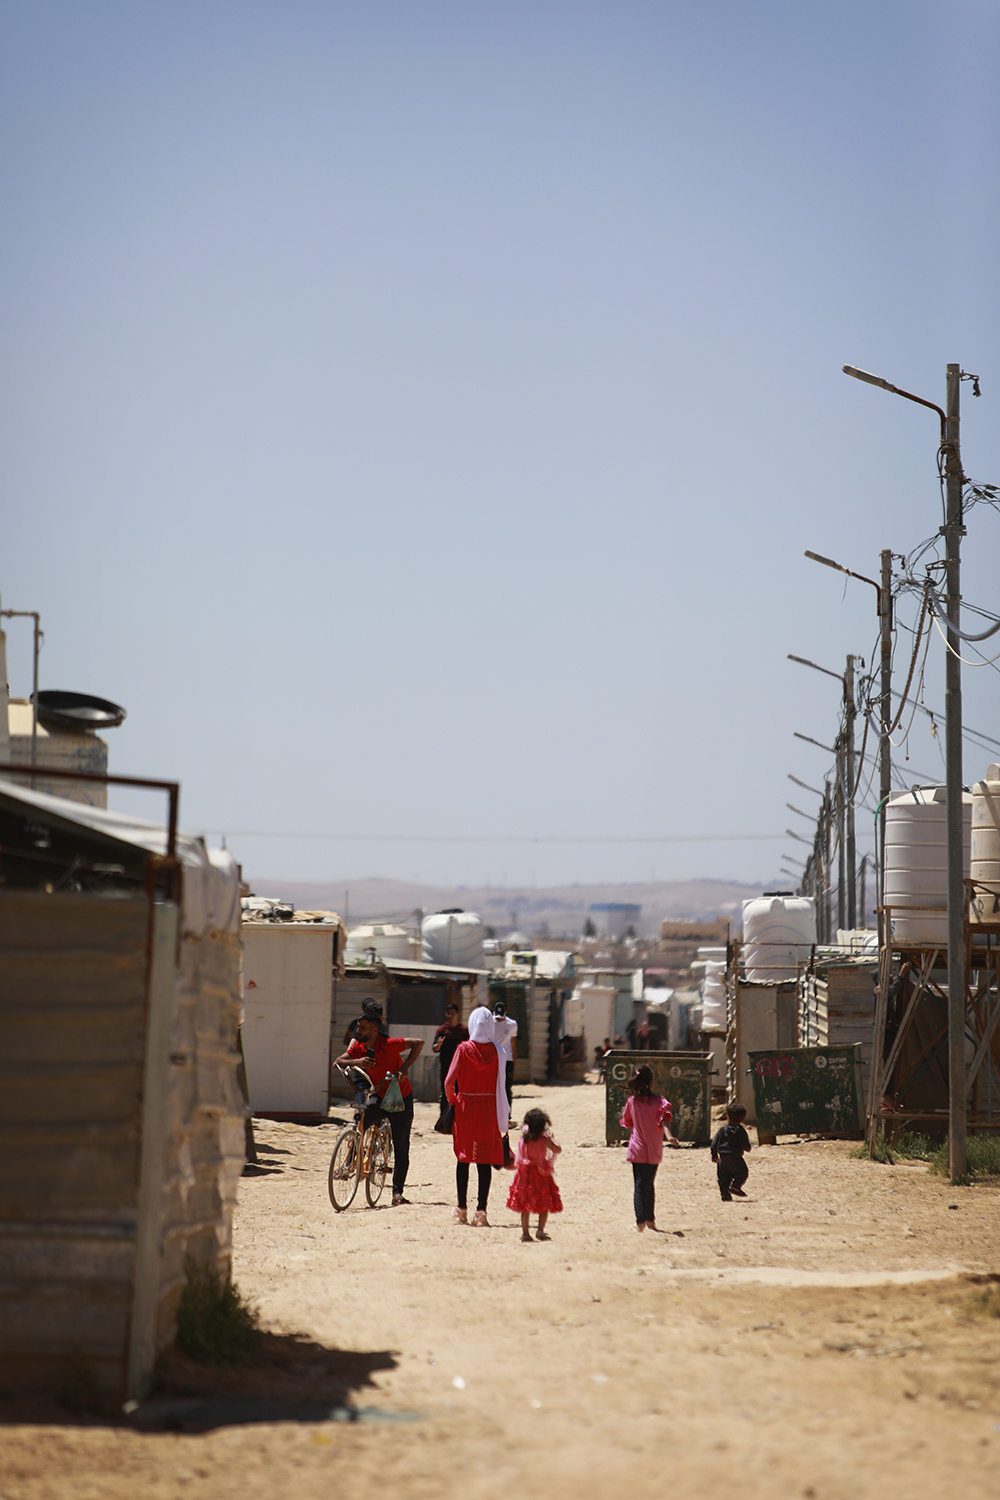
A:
351	1032
536	1121
500	1007
373	1012
640	1085
453	1005
736	1111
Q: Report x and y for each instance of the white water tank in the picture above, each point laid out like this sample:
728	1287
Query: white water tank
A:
713	995
985	866
454	937
388	941
916	864
778	933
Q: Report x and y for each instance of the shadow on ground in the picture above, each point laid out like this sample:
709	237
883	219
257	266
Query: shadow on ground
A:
287	1378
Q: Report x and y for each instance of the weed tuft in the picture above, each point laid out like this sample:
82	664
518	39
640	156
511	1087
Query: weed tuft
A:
982	1156
986	1304
215	1326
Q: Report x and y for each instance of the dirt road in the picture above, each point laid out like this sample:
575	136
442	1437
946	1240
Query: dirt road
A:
818	1339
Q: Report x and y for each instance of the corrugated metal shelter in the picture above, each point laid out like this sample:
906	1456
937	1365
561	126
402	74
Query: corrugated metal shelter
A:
836	1005
121	1119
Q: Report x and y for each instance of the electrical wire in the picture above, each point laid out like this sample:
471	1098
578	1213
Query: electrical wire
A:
964	659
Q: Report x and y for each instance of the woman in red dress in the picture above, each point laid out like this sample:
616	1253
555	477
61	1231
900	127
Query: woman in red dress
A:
475	1086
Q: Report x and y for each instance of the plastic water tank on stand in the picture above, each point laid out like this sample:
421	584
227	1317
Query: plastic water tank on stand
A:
454	937
985	865
713	995
916	864
388	941
778	934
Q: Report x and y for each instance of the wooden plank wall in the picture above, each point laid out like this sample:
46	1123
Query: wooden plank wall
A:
72	1026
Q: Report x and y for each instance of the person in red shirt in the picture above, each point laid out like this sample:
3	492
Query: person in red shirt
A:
381	1056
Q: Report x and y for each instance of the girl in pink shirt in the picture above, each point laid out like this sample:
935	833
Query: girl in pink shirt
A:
647	1116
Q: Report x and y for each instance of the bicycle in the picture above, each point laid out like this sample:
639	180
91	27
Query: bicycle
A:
360	1152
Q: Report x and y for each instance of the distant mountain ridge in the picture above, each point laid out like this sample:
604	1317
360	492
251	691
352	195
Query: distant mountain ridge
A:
562	909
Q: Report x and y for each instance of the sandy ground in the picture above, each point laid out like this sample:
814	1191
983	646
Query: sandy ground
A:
819	1339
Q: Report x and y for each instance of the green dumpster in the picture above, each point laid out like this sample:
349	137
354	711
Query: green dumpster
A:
816	1090
681	1077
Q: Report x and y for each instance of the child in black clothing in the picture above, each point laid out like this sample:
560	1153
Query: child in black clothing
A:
728	1146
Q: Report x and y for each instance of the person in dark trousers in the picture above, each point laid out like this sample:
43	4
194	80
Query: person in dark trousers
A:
381	1057
729	1144
447	1039
648	1116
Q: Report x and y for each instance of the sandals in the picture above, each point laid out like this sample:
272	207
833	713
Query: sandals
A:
460	1215
479	1219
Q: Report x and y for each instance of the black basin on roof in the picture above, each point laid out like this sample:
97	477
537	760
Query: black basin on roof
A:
77	711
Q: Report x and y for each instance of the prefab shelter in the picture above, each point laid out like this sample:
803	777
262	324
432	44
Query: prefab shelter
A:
121	1118
762	1016
289	968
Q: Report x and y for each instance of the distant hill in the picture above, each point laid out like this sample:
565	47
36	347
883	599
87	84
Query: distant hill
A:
562	908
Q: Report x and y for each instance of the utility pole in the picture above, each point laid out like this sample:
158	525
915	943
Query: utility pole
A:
827	871
951	457
852	905
885	717
841	809
953	529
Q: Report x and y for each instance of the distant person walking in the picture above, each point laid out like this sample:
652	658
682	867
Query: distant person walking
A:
447	1039
475	1086
533	1189
728	1146
647	1115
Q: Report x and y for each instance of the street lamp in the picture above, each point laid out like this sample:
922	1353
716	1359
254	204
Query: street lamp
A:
845	789
883	595
950	459
804	785
810	741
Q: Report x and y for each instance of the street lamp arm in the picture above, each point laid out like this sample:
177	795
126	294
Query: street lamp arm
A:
810	741
803	663
829	563
907	395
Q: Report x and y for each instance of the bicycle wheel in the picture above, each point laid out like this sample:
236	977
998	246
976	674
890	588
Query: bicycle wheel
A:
344	1168
380	1162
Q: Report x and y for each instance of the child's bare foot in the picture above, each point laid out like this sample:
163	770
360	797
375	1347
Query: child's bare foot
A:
541	1235
525	1237
639	1227
651	1224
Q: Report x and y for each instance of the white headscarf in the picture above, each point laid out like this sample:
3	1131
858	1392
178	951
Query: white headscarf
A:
481	1029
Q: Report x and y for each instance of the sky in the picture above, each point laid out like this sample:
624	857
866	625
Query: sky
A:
415	416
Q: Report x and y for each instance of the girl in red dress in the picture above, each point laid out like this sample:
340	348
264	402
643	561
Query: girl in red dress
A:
533	1190
475	1086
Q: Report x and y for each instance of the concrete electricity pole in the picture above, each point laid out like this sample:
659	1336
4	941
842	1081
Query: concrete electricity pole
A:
885	714
852	903
953	760
951	459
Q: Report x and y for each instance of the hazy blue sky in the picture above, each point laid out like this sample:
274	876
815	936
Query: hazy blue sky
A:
416	414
